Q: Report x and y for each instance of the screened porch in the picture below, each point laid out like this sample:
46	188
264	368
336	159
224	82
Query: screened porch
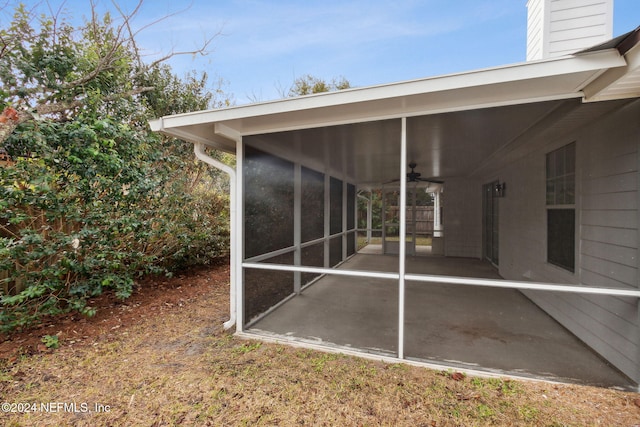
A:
323	262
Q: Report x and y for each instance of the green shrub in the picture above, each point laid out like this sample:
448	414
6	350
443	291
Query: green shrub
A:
93	214
93	199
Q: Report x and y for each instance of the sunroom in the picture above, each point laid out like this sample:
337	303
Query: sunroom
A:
460	169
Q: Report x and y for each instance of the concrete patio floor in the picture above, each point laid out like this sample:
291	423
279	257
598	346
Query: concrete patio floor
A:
485	329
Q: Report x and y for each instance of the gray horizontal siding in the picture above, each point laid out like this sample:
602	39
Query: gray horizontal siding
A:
621	201
618	183
624	237
628	257
621	218
617	346
609	243
608	239
622	273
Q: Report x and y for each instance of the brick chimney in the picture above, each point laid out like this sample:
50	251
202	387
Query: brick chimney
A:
562	27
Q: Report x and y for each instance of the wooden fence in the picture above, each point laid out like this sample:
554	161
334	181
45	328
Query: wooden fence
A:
424	218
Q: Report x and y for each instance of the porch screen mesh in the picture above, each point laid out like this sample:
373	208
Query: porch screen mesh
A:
351	243
312	205
351	206
312	256
269	225
335	205
351	219
268	202
269	213
263	288
335	251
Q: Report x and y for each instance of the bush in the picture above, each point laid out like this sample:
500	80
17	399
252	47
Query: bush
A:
94	210
92	200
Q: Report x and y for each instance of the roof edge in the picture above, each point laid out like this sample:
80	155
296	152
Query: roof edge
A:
587	61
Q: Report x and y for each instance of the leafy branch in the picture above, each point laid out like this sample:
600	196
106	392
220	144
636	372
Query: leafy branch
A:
50	74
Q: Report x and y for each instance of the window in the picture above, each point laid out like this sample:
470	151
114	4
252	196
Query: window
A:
561	184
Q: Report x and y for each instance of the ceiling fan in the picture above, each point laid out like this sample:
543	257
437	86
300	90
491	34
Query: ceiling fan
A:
414	176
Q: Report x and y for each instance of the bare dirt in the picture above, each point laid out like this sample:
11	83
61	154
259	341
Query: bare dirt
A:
153	296
162	358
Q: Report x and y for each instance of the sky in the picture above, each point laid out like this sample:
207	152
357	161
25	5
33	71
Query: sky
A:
262	46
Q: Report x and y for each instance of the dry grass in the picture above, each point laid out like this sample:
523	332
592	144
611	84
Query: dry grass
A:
163	359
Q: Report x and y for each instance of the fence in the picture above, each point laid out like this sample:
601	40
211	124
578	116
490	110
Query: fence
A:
424	218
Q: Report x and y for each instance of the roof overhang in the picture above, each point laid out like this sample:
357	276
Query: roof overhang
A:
620	82
586	75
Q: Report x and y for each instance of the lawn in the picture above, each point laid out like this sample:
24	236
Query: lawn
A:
162	358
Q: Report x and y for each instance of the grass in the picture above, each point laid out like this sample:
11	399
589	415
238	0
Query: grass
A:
171	364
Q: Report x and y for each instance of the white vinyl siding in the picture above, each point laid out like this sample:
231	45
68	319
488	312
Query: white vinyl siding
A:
563	27
535	29
607	233
609	241
613	334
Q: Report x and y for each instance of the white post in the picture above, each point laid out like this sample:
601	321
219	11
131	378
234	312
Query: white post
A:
403	236
344	218
436	214
369	216
384	222
327	218
297	225
414	221
239	239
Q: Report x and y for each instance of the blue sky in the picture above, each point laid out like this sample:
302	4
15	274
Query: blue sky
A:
264	45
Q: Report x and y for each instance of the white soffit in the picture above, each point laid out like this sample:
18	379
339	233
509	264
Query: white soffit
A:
618	83
528	82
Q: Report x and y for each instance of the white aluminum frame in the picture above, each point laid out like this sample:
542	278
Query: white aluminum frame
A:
403	236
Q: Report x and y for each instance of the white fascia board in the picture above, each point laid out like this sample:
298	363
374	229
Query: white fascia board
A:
617	83
562	77
195	135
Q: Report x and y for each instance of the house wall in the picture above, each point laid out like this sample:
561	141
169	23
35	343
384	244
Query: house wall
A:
607	234
461	222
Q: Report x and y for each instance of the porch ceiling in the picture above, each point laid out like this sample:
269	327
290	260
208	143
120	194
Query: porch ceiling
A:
444	146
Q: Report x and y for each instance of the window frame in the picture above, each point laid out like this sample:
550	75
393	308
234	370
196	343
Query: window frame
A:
560	195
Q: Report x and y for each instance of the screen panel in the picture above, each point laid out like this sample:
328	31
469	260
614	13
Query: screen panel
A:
335	205
312	205
268	202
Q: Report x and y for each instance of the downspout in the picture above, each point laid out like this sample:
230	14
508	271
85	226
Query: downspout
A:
199	149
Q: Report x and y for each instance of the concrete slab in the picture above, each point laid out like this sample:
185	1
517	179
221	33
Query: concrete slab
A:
495	330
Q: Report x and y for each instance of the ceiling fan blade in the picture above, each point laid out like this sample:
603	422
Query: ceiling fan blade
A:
414	176
434	181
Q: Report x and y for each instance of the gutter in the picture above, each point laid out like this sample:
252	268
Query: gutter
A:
199	150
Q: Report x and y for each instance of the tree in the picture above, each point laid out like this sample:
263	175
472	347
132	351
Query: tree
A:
309	84
92	199
51	72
